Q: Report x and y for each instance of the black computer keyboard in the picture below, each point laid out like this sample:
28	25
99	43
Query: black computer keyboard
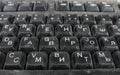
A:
54	37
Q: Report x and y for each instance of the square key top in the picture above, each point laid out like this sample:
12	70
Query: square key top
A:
59	60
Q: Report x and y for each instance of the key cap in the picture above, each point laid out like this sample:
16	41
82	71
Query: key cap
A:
82	31
114	30
9	30
40	6
45	30
28	44
59	60
91	7
81	60
104	20
10	6
89	44
105	7
72	19
48	44
37	19
8	44
69	44
99	31
25	6
62	6
2	59
26	30
76	6
5	19
20	19
55	19
63	30
15	60
108	44
103	59
37	60
116	58
88	20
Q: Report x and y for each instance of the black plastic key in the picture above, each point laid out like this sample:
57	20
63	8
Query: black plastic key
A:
108	44
37	60
40	6
82	31
26	30
15	60
10	6
63	30
76	6
55	19
99	31
2	59
59	60
25	6
48	44
45	30
72	19
88	19
62	6
69	44
81	60
91	7
9	30
20	19
8	44
89	44
28	44
103	59
104	20
37	19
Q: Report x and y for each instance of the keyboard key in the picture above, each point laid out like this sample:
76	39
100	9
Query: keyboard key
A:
9	30
25	6
104	20
54	19
59	60
114	30
2	59
45	30
48	44
20	19
82	31
62	6
99	31
37	19
89	44
8	44
15	60
91	7
72	19
105	7
108	44
103	59
88	20
69	44
81	60
63	30
76	6
5	19
37	60
116	57
28	44
26	30
40	6
10	6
